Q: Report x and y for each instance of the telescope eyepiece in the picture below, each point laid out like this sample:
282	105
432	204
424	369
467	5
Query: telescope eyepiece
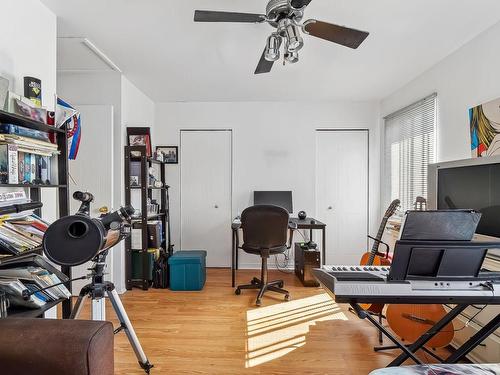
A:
83	197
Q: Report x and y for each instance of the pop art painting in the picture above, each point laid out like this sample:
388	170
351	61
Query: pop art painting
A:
485	129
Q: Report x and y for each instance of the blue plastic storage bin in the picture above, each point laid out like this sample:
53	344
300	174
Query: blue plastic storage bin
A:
187	270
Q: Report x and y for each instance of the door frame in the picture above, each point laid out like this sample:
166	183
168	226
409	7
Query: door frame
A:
180	170
367	131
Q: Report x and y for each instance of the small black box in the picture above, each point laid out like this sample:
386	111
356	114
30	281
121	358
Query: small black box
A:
305	261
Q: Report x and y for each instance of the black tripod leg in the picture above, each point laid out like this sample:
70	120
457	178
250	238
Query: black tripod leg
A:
129	330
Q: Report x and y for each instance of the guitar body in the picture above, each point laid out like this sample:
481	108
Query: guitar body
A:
410	322
377	260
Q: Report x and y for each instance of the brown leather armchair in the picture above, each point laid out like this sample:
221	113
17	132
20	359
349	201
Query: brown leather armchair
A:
53	346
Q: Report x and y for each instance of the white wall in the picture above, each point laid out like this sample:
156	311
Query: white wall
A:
274	147
468	77
137	110
25	51
28	46
130	108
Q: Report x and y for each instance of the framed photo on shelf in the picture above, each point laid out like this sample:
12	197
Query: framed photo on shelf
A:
134	181
170	154
140	137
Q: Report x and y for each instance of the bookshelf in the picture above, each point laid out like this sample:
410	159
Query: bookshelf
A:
34	192
145	192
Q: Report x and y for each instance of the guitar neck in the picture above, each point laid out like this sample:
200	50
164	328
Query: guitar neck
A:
379	235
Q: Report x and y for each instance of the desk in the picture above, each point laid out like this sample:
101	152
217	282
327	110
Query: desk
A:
301	224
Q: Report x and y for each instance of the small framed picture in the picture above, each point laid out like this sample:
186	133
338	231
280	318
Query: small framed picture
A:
170	154
134	181
140	137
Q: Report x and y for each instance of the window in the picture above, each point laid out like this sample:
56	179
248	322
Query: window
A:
409	147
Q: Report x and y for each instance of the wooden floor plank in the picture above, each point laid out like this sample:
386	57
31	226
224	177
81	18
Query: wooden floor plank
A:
216	332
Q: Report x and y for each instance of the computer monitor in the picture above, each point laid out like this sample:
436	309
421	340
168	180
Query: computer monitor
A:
276	198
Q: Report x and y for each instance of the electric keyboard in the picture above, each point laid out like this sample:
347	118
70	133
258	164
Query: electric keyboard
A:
372	284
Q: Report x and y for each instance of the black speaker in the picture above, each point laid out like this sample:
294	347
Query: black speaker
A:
305	261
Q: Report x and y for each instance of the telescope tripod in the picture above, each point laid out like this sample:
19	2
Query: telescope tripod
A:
98	289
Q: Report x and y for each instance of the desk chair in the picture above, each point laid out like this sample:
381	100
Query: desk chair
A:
265	234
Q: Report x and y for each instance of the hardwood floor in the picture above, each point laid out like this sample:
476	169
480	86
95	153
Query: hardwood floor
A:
216	332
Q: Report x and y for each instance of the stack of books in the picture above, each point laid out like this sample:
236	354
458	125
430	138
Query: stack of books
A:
25	156
19	232
16	280
18	235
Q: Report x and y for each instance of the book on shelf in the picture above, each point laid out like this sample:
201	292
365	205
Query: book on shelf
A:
9	164
25	160
16	280
33	90
19	232
24	132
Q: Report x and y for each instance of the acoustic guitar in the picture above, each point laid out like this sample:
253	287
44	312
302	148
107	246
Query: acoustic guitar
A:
410	322
374	258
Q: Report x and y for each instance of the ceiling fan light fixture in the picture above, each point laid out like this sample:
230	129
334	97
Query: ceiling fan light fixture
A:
292	57
286	17
295	41
273	45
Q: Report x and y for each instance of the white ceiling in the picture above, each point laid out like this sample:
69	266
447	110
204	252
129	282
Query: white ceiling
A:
171	58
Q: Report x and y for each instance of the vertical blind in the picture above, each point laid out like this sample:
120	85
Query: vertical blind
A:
409	147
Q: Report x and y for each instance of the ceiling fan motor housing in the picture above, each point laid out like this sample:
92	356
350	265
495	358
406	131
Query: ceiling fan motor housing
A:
279	9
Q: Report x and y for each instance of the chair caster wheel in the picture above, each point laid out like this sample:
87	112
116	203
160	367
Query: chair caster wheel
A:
237	291
258	302
287	297
254	281
280	285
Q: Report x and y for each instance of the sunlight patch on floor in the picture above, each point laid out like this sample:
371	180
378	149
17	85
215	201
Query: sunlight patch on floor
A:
274	331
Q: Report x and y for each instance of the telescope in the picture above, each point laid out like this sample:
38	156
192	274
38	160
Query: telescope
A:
77	239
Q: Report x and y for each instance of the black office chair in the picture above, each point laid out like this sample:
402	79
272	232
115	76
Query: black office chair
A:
265	234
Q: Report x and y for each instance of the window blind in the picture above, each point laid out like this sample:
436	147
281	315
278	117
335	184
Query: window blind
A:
409	147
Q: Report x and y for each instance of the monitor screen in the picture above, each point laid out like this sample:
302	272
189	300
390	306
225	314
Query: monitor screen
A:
476	187
276	198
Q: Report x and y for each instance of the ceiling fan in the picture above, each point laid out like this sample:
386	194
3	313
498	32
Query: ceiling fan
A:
286	17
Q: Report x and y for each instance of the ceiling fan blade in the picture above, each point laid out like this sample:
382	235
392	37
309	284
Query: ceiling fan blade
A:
215	16
298	4
264	66
345	36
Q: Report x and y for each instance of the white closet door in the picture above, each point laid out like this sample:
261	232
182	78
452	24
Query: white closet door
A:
342	193
93	171
205	158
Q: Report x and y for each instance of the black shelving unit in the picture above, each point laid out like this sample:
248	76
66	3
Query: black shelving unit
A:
35	190
132	155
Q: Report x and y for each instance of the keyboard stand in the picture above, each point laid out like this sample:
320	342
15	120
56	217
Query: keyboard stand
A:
409	350
392	347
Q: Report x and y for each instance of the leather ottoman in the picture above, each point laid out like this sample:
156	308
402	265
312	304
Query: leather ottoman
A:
54	346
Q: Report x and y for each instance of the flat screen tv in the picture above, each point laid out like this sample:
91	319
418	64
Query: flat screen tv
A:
472	183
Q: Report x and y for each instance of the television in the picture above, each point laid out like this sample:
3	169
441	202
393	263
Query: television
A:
472	183
276	198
